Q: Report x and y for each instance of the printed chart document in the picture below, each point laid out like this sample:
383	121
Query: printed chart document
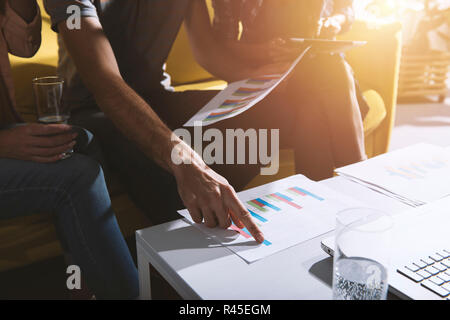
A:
238	97
416	175
242	95
288	212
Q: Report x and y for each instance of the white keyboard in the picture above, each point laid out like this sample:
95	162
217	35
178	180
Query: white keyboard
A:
432	272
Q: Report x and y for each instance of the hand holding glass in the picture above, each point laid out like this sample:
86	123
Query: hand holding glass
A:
50	109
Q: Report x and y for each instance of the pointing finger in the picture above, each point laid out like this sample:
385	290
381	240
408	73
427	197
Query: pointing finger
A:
241	213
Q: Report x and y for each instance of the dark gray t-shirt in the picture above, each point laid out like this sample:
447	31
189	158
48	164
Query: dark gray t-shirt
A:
141	33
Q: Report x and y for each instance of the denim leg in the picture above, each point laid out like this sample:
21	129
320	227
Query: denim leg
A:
75	191
88	144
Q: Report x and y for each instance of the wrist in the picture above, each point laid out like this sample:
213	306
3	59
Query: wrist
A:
182	157
178	154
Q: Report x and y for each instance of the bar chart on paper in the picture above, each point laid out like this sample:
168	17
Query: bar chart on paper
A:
238	97
420	169
288	212
416	174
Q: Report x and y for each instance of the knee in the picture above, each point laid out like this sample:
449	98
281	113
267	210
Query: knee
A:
319	72
326	61
84	138
333	75
84	172
97	123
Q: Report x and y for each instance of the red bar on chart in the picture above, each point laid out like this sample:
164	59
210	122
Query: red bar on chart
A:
286	201
242	232
297	191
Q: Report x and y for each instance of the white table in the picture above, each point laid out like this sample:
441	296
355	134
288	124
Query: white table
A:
198	268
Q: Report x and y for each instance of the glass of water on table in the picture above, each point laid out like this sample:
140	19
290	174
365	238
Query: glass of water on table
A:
362	255
50	109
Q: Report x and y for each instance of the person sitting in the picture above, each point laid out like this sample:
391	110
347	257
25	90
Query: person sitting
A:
34	179
118	92
321	84
130	106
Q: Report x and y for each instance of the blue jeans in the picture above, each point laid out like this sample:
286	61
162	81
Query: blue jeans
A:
75	191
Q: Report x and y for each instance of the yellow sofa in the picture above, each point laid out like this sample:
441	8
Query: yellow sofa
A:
32	239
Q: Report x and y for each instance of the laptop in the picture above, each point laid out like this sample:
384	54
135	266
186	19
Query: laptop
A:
420	252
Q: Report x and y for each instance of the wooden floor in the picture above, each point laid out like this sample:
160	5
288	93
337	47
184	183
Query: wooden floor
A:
45	280
423	121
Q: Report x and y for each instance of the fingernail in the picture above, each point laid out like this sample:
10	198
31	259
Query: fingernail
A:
259	237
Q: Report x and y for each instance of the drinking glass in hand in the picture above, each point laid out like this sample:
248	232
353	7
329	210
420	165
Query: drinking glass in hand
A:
50	109
361	257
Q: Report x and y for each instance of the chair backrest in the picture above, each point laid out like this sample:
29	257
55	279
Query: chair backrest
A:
377	67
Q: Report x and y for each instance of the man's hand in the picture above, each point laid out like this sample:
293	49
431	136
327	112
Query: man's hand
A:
43	143
210	198
330	27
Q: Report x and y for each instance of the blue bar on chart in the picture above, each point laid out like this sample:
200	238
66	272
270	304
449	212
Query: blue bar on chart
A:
265	242
257	216
303	192
268	204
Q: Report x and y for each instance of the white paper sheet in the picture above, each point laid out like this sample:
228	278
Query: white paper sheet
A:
238	97
417	174
288	212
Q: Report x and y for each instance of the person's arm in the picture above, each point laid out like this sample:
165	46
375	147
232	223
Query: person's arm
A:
26	9
345	8
22	27
96	63
206	194
229	59
210	51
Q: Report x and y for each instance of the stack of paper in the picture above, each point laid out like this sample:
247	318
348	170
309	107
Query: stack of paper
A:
414	175
288	212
